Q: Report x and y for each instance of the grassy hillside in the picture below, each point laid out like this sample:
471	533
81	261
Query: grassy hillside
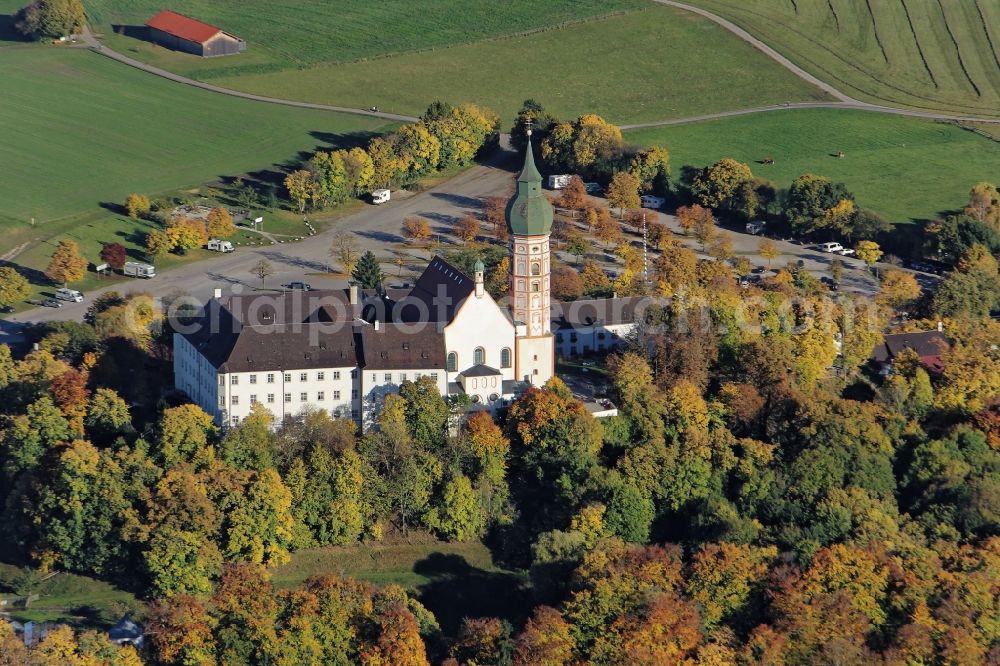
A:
83	130
928	54
659	63
904	168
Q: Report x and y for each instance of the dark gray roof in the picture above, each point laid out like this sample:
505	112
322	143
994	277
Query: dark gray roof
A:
292	347
480	371
594	311
401	347
441	288
924	343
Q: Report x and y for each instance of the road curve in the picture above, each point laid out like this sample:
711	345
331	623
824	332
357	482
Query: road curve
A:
98	47
846	101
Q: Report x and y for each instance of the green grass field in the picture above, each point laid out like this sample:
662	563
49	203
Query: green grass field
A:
78	600
629	60
453	580
308	32
647	65
905	169
82	130
927	54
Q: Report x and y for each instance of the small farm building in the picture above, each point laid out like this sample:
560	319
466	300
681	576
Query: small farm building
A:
182	33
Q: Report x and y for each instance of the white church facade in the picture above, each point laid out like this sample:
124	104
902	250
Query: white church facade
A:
343	351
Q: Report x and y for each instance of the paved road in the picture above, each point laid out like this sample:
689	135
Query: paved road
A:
98	47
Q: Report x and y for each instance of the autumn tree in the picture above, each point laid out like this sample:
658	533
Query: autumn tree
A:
608	230
113	254
262	270
416	229
899	289
594	278
715	186
694	217
299	185
573	195
651	166
220	223
66	264
186	233
768	250
158	243
344	249
137	205
817	204
13	286
467	228
50	19
566	284
868	252
623	191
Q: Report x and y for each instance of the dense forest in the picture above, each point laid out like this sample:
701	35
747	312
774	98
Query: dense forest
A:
762	497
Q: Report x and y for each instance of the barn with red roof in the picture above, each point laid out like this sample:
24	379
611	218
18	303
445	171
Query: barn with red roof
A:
183	33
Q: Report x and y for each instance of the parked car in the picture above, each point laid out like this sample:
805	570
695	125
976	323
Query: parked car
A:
845	252
756	227
299	286
758	270
52	303
830	247
593	188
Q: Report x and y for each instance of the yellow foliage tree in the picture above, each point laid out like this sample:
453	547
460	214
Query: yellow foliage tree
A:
66	264
220	223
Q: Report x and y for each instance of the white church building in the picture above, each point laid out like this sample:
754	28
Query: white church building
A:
343	350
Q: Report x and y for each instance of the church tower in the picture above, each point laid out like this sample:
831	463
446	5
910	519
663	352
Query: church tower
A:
529	216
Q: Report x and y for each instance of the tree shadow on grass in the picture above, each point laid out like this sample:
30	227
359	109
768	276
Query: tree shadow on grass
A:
7	31
458	590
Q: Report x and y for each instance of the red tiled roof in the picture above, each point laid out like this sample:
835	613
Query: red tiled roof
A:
182	26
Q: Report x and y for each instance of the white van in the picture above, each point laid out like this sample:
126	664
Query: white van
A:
559	181
217	245
830	247
69	295
380	196
649	201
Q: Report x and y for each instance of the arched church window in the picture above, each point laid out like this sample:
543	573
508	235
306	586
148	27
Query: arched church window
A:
452	362
536	269
479	356
505	357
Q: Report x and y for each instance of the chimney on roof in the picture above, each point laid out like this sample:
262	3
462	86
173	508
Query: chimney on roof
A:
353	294
480	285
217	292
940	327
376	324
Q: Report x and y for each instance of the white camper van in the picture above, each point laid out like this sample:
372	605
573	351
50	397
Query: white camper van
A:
139	270
649	201
69	295
220	245
557	182
380	196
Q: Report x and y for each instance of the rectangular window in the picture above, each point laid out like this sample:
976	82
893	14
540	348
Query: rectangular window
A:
320	396
236	420
236	400
222	401
270	378
336	374
234	380
336	395
288	397
402	377
374	378
222	380
303	397
270	398
253	398
388	378
288	376
303	376
434	376
253	379
320	376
